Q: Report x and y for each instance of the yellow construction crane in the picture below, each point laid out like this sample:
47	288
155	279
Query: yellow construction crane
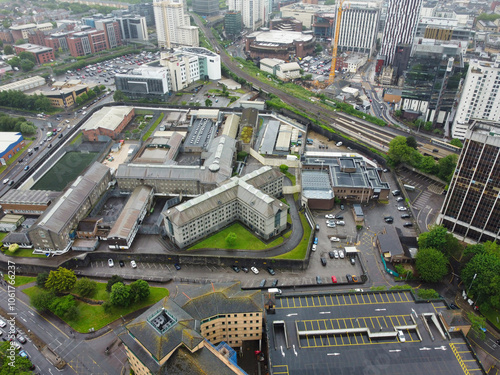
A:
336	41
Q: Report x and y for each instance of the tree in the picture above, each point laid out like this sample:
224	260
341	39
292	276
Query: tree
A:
435	238
19	42
447	167
27	129
114	279
283	168
27	65
456	142
307	77
8	50
61	280
231	239
477	324
13	248
431	265
42	300
428	126
41	279
411	142
85	287
427	293
119	96
400	152
120	295
14	62
428	165
139	289
27	56
61	305
208	103
18	366
481	278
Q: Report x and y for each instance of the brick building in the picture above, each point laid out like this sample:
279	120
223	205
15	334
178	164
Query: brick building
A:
282	45
42	54
10	144
109	121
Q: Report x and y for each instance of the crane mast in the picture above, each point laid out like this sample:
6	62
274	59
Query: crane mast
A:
336	41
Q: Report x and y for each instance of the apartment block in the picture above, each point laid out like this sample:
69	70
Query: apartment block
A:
479	99
471	210
173	25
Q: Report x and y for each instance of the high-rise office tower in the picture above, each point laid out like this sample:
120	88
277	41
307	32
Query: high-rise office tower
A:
173	26
400	26
480	99
471	210
206	7
253	12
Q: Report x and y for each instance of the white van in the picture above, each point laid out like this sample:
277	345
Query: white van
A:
339	144
84	113
274	290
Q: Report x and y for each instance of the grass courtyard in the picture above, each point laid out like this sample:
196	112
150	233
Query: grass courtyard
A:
245	240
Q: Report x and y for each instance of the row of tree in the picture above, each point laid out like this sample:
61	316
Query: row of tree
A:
404	150
18	99
16	124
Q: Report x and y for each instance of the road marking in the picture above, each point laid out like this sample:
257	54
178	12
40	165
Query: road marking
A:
335	354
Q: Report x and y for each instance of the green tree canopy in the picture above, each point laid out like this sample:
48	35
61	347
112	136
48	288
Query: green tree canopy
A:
21	365
139	289
411	142
85	287
42	300
477	323
400	152
61	280
114	279
447	167
456	142
231	239
431	265
41	278
119	96
27	56
8	50
61	305
428	165
208	103
283	168
120	295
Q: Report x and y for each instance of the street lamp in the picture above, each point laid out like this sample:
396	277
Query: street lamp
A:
474	278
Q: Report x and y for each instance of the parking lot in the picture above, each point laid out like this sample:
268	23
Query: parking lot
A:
357	333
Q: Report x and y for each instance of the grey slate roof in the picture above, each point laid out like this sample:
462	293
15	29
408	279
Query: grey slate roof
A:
29	196
16	237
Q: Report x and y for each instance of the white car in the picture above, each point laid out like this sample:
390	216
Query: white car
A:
255	270
402	208
335	254
2	323
331	225
110	262
133	264
401	336
341	254
334	239
313	247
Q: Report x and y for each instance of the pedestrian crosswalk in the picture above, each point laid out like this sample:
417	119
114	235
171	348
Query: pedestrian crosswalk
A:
422	200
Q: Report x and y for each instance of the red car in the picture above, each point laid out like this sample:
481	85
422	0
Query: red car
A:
334	280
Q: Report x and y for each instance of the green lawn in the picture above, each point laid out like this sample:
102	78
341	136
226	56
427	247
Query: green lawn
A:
3	235
244	240
153	127
300	251
20	280
28	253
76	138
93	316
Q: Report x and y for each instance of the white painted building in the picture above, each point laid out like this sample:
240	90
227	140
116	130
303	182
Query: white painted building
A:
173	25
480	99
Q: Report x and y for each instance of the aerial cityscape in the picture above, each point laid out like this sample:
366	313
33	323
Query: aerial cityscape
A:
250	187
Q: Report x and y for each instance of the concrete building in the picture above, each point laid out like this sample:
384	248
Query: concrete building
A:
168	338
126	226
10	222
479	99
206	7
445	29
144	10
108	121
145	82
24	84
285	24
10	144
27	202
22	31
233	23
471	210
42	54
284	45
239	199
111	30
400	26
65	94
173	25
253	12
133	28
305	12
281	69
52	231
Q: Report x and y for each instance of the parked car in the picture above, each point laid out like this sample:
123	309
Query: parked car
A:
353	261
336	254
354	278
401	336
334	239
340	222
315	240
2	323
323	261
244	269
340	217
317	226
254	270
399	199
121	263
341	254
236	269
342	207
23	354
271	271
331	255
402	208
318	280
405	216
21	339
274	283
110	262
177	266
334	280
349	278
331	225
408	224
396	192
262	283
313	248
133	264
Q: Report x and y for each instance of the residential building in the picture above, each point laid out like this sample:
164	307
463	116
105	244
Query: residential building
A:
480	98
206	7
133	27
121	236
253	12
108	121
284	45
145	82
471	209
85	43
111	30
10	144
144	10
51	232
173	25
239	199
42	54
400	26
168	338
233	23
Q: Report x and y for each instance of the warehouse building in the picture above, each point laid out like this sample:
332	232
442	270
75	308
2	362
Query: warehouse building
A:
53	232
24	84
108	121
234	200
126	226
27	202
10	222
10	144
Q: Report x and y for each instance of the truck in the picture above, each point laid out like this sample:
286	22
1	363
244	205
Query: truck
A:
291	157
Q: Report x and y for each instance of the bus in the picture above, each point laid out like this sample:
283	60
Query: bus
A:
446	145
409	187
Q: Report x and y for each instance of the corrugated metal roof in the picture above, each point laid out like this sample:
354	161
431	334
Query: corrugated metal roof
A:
107	118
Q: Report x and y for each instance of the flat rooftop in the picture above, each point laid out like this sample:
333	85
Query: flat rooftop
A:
280	37
355	333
